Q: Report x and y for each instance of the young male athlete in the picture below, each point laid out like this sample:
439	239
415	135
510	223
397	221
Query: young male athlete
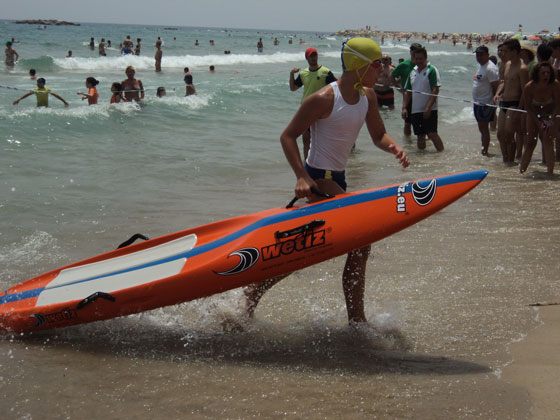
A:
335	114
312	79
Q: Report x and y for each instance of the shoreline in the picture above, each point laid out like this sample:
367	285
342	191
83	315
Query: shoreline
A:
536	364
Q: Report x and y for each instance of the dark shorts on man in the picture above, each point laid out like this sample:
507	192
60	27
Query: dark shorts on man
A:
484	113
422	126
337	176
385	98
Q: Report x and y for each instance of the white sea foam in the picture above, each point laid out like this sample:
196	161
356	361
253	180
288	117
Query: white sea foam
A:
179	62
457	69
190	102
77	111
465	114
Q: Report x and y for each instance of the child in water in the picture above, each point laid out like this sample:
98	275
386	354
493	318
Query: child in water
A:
160	93
92	94
190	87
42	93
117	96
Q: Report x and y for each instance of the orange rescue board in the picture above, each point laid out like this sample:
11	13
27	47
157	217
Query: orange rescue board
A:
224	255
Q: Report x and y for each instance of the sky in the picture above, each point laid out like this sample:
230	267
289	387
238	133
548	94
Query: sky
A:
466	16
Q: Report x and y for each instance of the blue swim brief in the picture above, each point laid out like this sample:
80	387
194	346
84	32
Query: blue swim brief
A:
337	176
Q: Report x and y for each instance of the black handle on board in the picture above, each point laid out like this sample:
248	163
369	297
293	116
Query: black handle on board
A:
314	191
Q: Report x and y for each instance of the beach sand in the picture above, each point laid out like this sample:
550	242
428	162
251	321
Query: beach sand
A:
536	366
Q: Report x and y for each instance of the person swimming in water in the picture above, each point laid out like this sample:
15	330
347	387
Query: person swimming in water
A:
132	88
161	92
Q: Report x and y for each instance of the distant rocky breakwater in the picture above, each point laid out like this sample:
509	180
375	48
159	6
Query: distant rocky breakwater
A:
46	22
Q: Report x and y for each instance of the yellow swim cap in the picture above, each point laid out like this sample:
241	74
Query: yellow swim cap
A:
359	52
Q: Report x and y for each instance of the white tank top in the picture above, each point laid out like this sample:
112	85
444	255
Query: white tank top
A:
332	138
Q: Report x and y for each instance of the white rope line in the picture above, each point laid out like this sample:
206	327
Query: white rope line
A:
456	99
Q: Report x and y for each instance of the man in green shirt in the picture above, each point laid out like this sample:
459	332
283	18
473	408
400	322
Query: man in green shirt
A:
313	78
400	74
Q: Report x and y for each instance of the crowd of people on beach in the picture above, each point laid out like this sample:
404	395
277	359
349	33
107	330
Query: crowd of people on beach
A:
517	91
519	94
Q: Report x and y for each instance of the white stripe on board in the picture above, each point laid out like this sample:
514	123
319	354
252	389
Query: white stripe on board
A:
110	284
124	262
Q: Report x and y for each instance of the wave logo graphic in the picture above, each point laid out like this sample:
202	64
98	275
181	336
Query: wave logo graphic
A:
423	195
247	258
41	320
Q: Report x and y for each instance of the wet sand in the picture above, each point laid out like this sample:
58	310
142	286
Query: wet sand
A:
536	366
447	300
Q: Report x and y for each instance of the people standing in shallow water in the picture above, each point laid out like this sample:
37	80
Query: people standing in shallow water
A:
485	83
92	95
11	55
42	93
127	45
400	75
132	88
116	93
158	55
313	78
337	112
542	102
515	77
101	47
424	78
190	89
383	89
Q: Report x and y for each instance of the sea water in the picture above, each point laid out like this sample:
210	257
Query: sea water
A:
445	297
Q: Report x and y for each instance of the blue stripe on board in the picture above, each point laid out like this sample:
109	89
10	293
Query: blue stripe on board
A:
321	207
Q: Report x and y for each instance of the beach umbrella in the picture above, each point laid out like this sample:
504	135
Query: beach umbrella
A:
544	31
534	38
488	37
517	36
